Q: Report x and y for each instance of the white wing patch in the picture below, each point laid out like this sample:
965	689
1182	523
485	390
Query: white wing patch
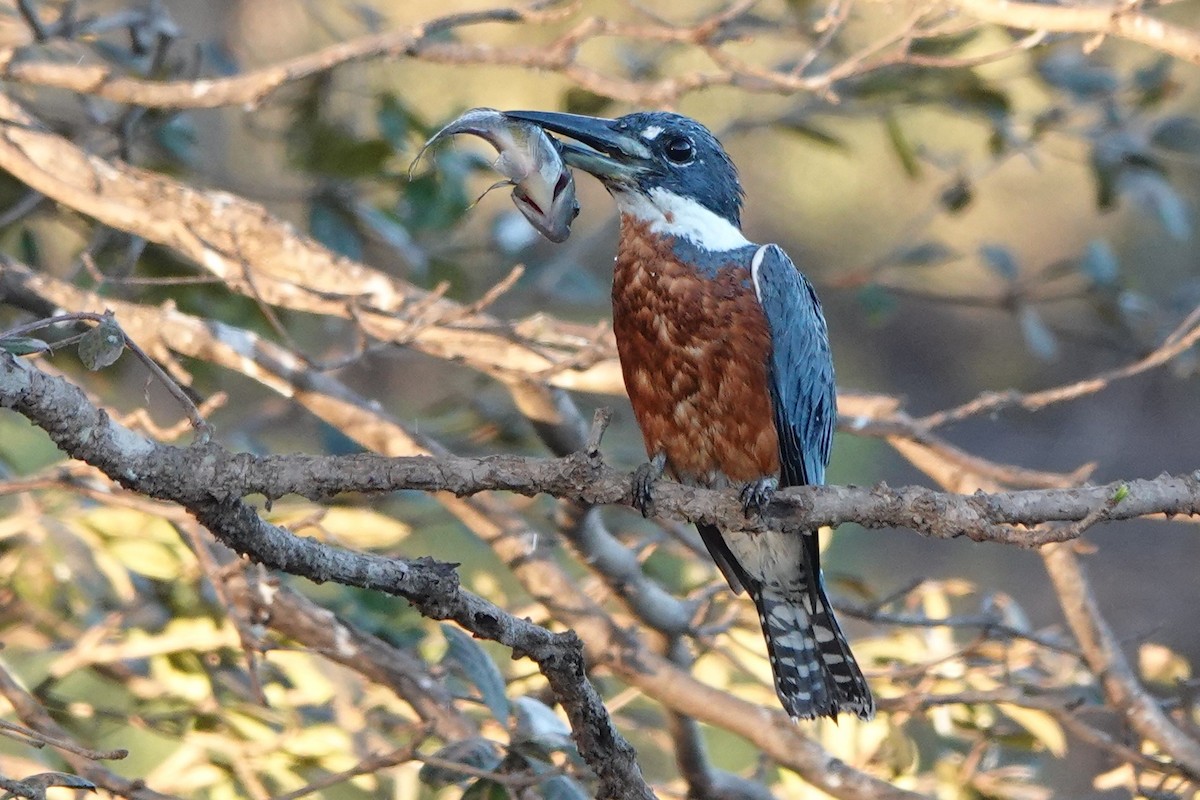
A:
755	265
672	215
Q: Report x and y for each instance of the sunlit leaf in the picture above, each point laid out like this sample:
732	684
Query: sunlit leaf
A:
364	527
899	752
121	523
477	667
149	558
1163	665
102	345
1040	724
305	680
319	741
250	726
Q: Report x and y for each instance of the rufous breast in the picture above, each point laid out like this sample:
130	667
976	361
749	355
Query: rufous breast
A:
694	346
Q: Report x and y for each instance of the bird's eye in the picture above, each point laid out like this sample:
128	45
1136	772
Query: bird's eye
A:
680	150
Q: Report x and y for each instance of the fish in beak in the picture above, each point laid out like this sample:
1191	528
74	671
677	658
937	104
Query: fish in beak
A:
531	160
605	149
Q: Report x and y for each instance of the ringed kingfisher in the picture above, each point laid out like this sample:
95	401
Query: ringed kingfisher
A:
725	355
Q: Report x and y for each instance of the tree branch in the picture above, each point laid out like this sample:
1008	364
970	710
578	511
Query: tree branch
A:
1123	20
162	471
64	412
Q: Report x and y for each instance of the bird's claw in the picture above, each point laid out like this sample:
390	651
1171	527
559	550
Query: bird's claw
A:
644	478
756	495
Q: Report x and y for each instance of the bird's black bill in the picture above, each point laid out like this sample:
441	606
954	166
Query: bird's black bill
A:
610	152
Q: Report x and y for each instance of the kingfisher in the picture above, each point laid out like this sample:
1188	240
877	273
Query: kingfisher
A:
726	359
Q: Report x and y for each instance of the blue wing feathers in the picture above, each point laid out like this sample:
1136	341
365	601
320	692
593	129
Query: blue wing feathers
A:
800	369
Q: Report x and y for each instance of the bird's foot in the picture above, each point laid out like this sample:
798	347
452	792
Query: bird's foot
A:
756	495
644	478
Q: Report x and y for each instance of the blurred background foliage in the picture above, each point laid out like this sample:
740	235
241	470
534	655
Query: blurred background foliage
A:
1016	224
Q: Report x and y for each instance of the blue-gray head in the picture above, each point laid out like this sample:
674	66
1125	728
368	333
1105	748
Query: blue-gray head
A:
661	167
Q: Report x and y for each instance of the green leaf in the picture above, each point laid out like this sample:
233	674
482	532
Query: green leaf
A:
486	789
23	345
1076	74
561	787
392	233
538	724
438	199
394	120
925	254
957	196
477	667
331	149
475	752
1038	337
1154	81
902	146
28	248
943	45
581	101
177	136
999	260
1100	264
1180	134
45	780
102	345
1155	197
331	225
877	302
807	130
971	92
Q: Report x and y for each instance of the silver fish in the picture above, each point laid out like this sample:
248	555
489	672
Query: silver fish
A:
544	189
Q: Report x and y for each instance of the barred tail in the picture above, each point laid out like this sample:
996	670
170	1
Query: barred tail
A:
815	673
